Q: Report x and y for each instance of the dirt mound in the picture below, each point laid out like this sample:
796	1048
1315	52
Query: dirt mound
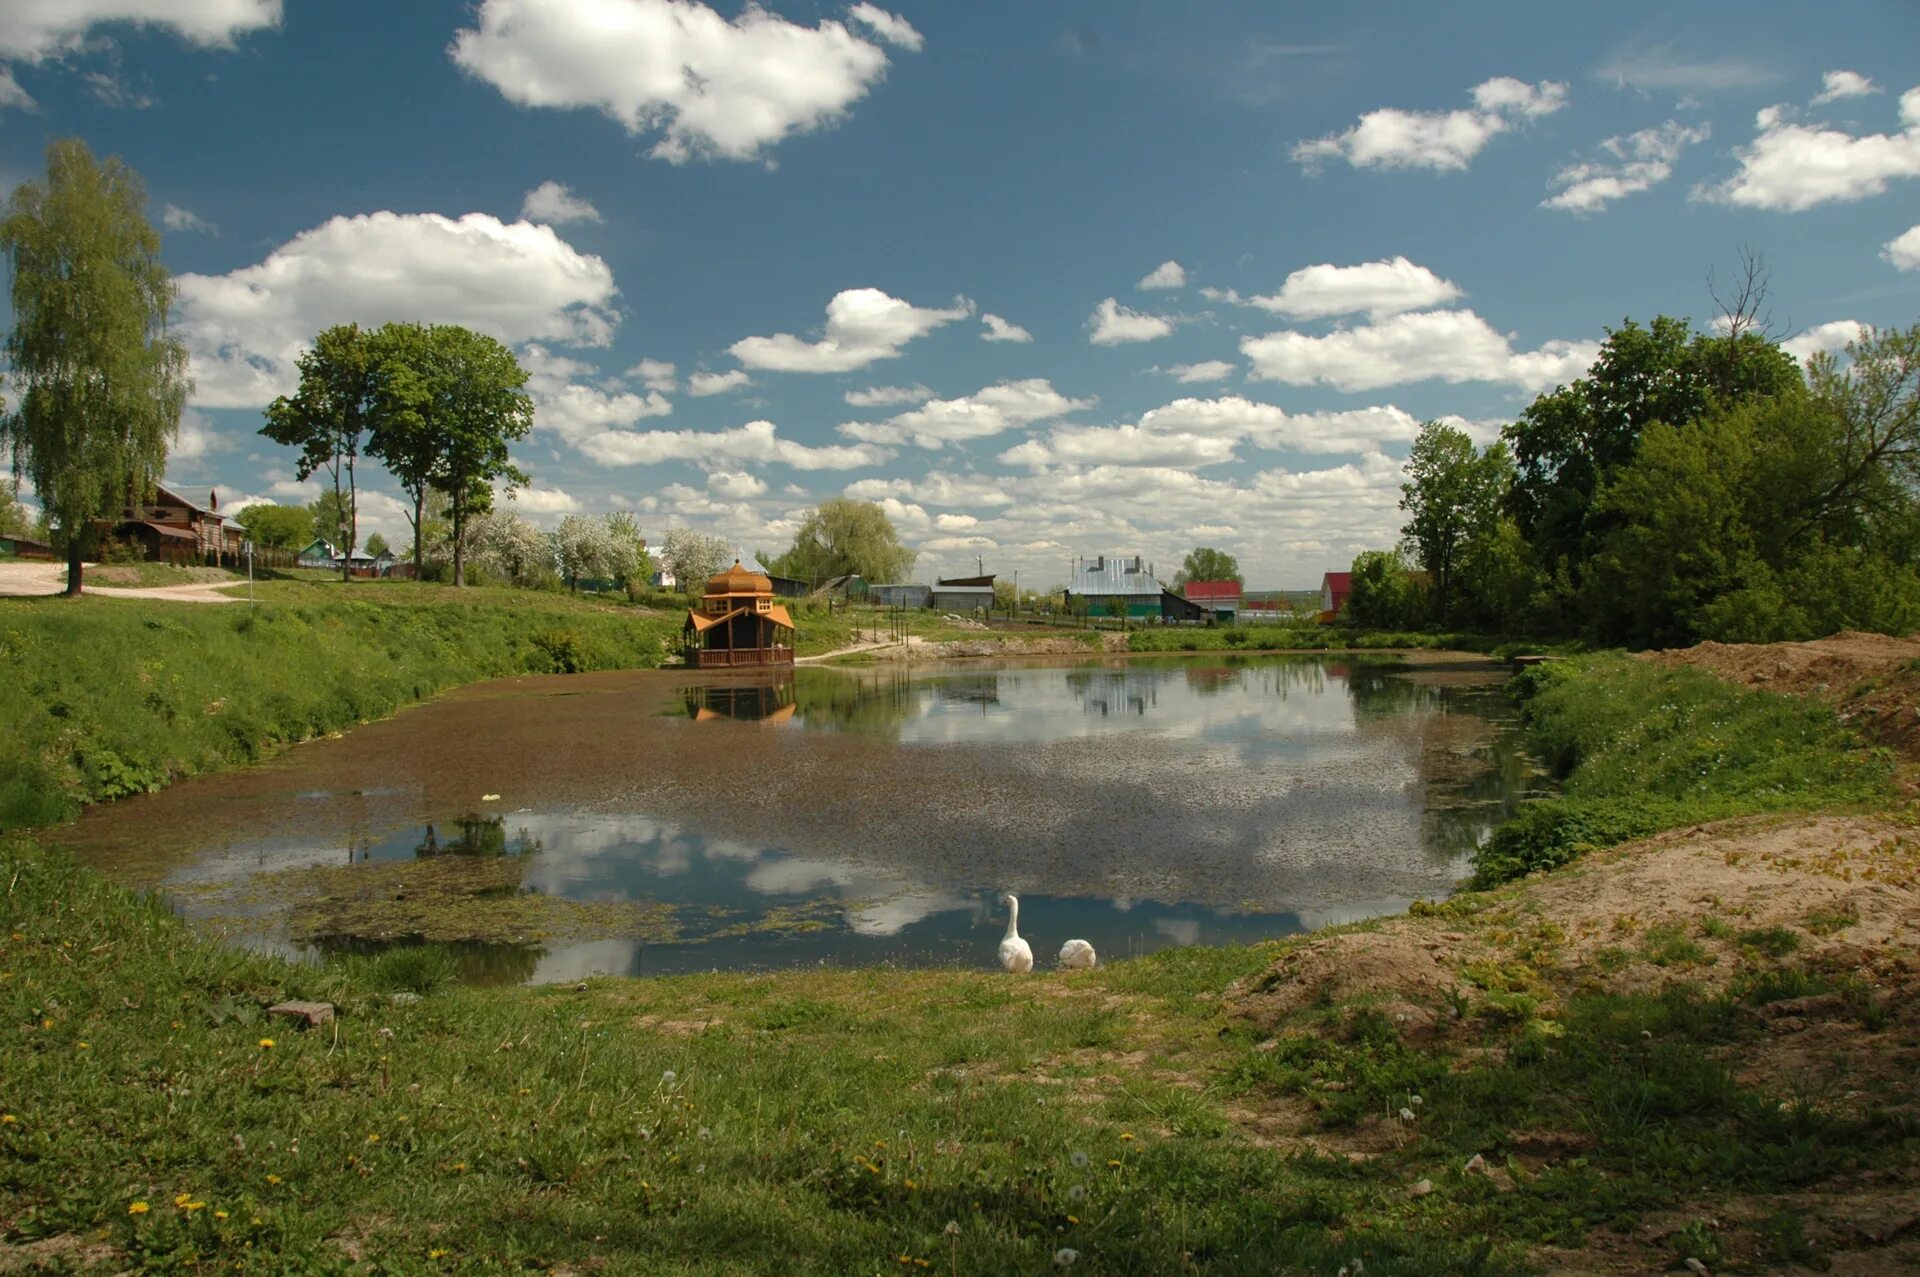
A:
1872	679
1404	967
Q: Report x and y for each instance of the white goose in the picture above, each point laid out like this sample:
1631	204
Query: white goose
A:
1016	955
1077	955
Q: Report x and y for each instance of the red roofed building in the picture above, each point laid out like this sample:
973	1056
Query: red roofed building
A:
1216	596
1334	588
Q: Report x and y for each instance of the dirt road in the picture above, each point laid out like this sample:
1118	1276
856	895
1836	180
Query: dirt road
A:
27	578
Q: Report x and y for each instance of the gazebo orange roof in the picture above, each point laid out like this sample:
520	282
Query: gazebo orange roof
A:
737	580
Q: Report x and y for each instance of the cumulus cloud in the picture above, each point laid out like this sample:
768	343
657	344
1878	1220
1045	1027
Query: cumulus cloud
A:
998	329
1440	140
31	30
1206	370
1904	250
517	282
574	408
702	384
1197	433
1632	164
1830	338
864	325
986	412
655	374
735	485
1168	274
887	396
556	204
1843	84
1451	345
708	86
175	218
1791	166
757	441
543	505
1379	288
1114	324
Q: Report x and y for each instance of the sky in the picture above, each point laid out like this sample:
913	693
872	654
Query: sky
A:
1043	280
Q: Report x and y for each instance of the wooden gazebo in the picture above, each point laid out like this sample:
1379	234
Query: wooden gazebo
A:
738	623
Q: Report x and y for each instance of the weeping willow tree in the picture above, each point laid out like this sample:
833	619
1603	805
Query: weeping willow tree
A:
100	382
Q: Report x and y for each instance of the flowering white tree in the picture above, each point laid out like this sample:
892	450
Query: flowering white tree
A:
692	556
506	545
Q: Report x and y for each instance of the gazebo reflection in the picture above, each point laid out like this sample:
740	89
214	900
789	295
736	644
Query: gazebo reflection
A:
755	700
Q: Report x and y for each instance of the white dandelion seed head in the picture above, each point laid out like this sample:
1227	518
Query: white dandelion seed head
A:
1078	1193
1065	1256
1406	1115
1078	1159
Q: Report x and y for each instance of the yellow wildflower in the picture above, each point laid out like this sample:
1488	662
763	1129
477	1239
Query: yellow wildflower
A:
266	1044
438	1252
273	1179
1113	1161
1072	1219
183	1199
219	1214
138	1208
373	1137
8	1119
1126	1135
194	1206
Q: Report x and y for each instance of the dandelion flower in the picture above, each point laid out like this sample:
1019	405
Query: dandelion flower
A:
138	1208
8	1119
1065	1256
194	1206
266	1044
373	1137
1415	1100
438	1252
952	1229
273	1179
1079	1160
219	1214
1073	1219
1113	1161
1126	1135
1406	1115
183	1199
79	1046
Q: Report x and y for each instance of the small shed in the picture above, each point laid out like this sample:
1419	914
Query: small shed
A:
738	623
961	598
13	547
1175	609
1334	589
318	553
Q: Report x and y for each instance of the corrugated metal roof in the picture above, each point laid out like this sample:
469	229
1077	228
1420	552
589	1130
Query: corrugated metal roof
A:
1109	574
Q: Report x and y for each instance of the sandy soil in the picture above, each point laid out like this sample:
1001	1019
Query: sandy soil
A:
31	578
1872	679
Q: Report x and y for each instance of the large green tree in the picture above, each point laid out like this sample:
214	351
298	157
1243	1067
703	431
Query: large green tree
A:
1571	441
328	418
451	402
328	517
282	527
842	536
1204	563
1452	496
13	515
100	380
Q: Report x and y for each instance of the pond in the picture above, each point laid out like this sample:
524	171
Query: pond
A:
656	822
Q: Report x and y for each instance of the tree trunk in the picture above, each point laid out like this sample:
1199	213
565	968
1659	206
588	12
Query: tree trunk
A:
459	532
419	504
73	567
352	510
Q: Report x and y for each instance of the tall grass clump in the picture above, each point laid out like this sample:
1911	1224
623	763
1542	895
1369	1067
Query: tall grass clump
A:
1641	748
105	698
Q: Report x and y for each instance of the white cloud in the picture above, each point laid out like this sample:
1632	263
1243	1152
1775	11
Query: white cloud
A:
887	396
1844	84
1791	166
1829	338
34	29
1904	250
1380	288
1168	274
540	504
1451	345
556	204
1114	324
710	87
735	485
891	27
864	325
196	438
1441	140
936	488
1637	161
757	441
702	384
655	374
566	404
175	218
1665	68
11	94
999	329
109	90
1196	433
984	413
1207	370
518	282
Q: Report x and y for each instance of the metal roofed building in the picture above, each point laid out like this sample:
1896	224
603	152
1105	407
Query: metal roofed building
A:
1107	584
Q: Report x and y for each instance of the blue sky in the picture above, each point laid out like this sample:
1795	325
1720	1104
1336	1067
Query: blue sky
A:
1045	280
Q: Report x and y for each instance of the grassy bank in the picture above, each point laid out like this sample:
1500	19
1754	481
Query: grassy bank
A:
881	1121
108	697
1318	638
1641	748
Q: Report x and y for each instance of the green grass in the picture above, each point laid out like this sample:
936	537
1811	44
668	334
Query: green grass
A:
108	697
832	1121
1642	748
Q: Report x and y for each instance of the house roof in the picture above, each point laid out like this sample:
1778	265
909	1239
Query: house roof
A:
973	591
738	580
164	529
1109	575
174	497
1212	590
1338	582
701	622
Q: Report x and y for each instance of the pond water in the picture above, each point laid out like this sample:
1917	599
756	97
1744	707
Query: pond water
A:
648	823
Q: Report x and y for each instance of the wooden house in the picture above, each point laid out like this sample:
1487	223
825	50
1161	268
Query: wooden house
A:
319	553
174	529
738	623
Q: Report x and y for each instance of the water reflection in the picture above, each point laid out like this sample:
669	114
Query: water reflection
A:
652	822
